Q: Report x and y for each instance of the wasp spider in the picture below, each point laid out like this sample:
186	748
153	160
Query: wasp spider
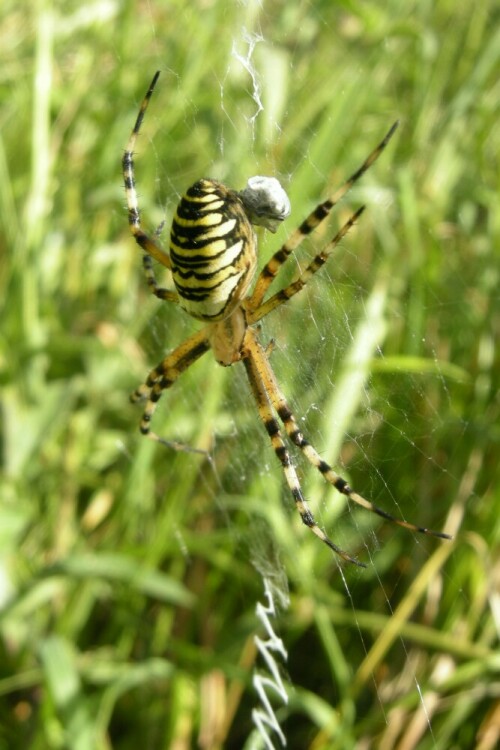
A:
212	258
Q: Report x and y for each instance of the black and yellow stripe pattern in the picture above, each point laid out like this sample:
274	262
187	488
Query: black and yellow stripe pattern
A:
315	218
212	250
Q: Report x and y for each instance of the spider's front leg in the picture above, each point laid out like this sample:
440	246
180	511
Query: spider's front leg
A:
253	356
164	376
281	407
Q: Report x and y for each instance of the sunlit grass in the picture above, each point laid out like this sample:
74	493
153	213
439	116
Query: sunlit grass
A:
129	574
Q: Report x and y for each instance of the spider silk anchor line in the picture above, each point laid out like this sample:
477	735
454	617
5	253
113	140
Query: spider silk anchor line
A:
212	258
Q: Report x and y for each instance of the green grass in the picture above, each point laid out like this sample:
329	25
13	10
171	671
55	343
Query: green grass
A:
130	574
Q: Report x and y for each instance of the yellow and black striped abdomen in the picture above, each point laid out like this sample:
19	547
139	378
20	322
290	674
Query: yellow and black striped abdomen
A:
212	250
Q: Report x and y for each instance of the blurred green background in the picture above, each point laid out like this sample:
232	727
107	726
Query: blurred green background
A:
129	573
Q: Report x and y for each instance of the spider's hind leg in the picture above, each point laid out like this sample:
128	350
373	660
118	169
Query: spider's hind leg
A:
148	243
315	218
156	289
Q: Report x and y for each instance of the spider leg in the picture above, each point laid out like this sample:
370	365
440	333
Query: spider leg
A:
285	294
253	356
164	376
285	414
145	241
314	219
158	291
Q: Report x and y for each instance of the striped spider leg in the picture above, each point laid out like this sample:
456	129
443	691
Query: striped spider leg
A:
212	257
315	218
164	376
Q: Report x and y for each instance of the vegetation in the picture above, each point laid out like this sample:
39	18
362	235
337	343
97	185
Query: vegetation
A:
130	573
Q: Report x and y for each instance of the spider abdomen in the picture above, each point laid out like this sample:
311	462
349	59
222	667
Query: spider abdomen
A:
212	250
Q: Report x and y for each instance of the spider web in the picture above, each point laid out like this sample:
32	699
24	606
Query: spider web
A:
339	407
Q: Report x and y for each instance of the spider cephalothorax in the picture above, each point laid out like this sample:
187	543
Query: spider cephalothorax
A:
212	256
